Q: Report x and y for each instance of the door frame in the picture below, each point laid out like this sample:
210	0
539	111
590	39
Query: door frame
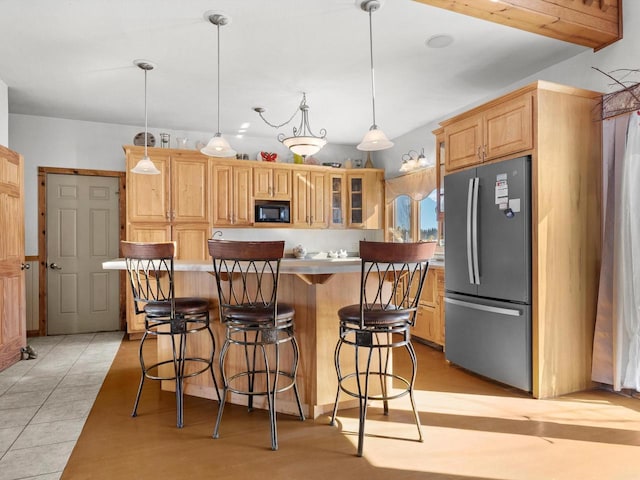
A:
42	237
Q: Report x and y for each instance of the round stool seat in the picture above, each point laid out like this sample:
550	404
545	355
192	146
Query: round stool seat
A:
183	305
373	318
254	314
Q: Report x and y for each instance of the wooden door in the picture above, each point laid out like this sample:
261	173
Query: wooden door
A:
189	187
83	231
281	184
300	202
262	182
318	204
13	321
222	182
148	197
463	143
242	196
508	127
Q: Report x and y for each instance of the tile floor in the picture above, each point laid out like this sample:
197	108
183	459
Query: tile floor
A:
45	401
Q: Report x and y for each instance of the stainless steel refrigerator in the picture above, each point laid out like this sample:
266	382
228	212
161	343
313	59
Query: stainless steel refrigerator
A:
488	271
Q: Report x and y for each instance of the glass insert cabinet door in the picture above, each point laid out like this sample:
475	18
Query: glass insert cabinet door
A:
337	200
357	201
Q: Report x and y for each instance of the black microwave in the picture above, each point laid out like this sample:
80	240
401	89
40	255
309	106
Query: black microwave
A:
273	212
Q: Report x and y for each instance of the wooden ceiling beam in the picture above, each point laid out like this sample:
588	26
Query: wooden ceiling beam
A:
590	23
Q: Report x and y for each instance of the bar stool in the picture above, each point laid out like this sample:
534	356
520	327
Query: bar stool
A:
150	272
247	275
391	280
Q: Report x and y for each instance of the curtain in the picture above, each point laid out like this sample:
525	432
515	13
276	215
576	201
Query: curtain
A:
417	185
616	348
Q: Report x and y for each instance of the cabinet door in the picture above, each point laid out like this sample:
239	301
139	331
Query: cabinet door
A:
222	198
272	183
148	232
508	127
262	182
191	241
355	210
373	198
242	213
318	206
300	210
337	199
189	187
148	195
463	143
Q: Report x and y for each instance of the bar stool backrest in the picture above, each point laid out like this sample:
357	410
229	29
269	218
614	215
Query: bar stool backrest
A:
392	277
247	274
150	272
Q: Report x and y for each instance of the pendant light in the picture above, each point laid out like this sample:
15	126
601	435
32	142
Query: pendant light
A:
145	165
218	146
374	139
303	142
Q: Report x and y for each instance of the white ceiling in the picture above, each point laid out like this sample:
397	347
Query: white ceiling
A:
74	59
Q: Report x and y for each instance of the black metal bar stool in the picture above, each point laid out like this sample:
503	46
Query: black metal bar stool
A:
247	275
150	272
391	281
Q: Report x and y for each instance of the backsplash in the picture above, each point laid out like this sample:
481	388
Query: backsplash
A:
312	240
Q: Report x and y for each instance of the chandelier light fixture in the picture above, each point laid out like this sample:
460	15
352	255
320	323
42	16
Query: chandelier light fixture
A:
145	165
303	142
374	139
414	161
218	145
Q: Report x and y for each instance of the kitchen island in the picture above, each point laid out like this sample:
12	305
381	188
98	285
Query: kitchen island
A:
316	288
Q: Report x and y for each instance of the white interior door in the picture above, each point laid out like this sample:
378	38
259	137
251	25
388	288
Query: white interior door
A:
82	232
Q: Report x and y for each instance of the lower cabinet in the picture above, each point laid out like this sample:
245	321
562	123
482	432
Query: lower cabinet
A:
430	324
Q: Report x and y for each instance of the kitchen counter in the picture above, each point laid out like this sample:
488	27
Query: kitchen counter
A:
317	288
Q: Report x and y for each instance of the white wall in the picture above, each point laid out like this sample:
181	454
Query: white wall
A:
4	114
56	142
576	72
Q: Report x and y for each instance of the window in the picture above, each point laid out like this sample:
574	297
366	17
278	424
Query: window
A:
402	231
428	218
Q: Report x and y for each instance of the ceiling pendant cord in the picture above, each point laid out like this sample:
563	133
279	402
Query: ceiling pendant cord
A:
374	139
145	165
218	145
373	83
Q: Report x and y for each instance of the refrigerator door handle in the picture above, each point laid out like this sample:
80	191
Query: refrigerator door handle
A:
485	308
474	231
469	215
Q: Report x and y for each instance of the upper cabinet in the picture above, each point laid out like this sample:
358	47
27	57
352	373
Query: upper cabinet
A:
365	198
310	206
484	134
177	195
271	183
232	201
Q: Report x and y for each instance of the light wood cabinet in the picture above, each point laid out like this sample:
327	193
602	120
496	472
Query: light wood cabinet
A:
365	199
560	128
503	129
430	323
310	204
271	183
232	195
178	194
338	200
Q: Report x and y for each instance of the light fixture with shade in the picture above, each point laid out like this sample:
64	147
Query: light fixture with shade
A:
414	161
145	165
303	142
218	145
374	139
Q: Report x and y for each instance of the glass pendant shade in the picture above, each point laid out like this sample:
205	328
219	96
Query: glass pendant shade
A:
304	146
373	140
218	147
146	167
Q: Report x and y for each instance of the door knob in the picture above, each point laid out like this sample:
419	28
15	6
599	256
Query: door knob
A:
25	266
54	266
